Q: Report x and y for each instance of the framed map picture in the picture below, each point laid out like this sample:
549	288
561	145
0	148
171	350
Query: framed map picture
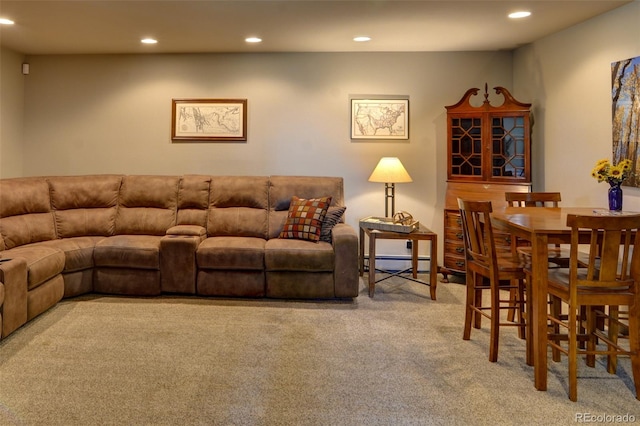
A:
209	120
379	118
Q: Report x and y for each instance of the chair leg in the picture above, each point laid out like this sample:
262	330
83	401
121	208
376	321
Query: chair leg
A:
556	312
614	329
495	321
520	308
528	321
583	314
573	355
469	313
591	342
634	345
478	283
513	299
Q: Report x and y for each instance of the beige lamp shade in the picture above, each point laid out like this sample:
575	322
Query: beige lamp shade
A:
390	170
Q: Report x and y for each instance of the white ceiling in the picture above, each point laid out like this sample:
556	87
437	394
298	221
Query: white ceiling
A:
116	26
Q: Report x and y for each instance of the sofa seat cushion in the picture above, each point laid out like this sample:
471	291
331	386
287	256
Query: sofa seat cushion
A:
43	262
78	251
239	253
298	255
128	251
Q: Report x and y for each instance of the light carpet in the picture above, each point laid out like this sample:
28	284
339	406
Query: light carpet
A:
396	359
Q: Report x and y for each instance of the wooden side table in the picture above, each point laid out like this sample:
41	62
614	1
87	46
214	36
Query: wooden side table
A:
422	233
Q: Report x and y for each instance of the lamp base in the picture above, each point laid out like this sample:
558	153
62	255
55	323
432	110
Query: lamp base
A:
389	198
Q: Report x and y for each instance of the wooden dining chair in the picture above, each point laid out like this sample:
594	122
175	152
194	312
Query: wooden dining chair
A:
532	199
487	271
558	256
610	280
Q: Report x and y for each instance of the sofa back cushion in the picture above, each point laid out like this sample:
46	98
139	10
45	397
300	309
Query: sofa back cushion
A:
283	188
25	212
147	205
238	206
85	205
193	200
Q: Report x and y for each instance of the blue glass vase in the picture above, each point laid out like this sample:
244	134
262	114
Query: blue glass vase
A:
615	196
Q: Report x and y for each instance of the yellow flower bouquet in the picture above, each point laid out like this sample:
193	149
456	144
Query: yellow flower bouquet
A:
613	174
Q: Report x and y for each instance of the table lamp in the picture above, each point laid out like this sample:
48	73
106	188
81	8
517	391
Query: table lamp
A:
390	171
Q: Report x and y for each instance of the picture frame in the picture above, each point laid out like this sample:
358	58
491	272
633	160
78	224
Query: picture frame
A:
625	86
379	118
209	120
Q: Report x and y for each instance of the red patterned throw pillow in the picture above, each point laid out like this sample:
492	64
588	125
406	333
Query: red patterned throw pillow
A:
304	221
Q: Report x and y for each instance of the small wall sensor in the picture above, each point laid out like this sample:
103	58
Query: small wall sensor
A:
25	69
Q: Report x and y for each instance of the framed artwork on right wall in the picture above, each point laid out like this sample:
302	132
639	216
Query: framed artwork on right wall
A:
625	110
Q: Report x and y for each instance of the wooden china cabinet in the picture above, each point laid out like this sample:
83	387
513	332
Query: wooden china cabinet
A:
488	154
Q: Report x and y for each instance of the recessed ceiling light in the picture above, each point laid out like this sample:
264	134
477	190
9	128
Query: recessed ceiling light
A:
149	41
253	39
362	38
520	14
5	21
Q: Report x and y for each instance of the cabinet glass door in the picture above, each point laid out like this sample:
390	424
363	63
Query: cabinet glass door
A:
508	147
466	147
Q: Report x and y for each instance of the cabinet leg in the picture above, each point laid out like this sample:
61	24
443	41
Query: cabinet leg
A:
445	275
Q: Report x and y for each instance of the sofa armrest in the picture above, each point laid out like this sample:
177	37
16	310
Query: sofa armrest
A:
345	246
178	269
188	230
13	273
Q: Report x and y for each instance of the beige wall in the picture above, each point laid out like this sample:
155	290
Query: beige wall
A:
567	77
11	113
111	114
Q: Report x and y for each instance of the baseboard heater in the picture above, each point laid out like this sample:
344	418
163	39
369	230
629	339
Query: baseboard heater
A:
381	262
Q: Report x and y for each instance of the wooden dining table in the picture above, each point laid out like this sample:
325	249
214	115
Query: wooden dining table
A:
541	226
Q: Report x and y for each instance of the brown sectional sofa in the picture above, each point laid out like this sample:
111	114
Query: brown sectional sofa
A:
148	235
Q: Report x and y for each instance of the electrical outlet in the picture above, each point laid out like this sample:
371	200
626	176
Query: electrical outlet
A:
409	244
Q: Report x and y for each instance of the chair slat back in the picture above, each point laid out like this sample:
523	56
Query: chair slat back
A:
532	199
478	234
612	261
